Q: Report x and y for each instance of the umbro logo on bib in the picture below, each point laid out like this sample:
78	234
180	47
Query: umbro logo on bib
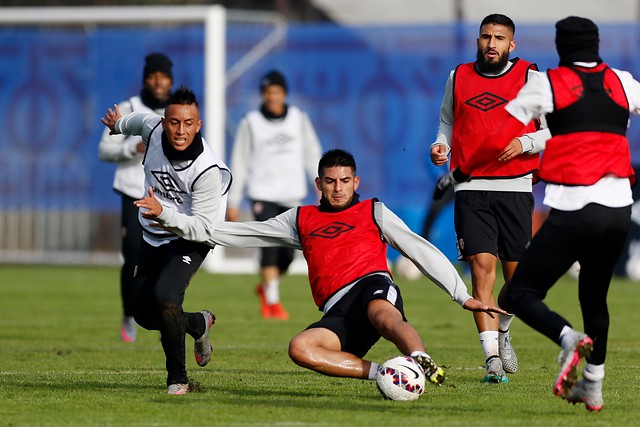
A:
168	183
486	101
332	230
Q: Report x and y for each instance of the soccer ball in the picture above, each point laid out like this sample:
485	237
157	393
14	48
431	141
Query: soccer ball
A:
400	378
407	269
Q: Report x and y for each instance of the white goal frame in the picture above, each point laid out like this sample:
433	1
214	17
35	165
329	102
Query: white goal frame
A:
216	81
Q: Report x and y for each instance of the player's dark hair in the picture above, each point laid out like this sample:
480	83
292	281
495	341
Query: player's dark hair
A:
499	19
183	96
336	157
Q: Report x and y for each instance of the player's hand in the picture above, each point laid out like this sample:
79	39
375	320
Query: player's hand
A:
474	305
151	204
110	119
439	154
513	149
141	147
448	180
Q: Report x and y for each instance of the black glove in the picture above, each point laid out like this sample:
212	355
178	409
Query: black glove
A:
450	179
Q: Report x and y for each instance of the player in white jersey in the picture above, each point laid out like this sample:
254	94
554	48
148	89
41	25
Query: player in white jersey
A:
186	195
128	182
275	147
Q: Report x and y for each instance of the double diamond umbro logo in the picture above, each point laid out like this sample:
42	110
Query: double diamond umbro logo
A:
170	188
486	101
332	230
168	183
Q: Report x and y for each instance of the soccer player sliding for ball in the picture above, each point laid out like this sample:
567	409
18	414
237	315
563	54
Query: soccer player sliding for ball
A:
344	241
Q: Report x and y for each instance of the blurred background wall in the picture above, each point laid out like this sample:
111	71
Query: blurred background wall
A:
370	74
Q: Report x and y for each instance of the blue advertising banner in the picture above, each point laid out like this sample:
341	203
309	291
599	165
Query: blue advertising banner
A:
375	91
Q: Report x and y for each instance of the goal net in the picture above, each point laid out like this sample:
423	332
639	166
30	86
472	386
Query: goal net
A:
60	69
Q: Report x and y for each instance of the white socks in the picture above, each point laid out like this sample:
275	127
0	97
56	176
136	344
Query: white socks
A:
568	337
272	291
593	373
505	322
372	371
489	342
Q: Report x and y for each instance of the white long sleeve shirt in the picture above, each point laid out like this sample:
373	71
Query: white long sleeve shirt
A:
536	99
270	158
532	143
282	230
198	222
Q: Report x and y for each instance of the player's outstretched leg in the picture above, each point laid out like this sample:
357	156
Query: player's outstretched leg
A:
202	347
433	372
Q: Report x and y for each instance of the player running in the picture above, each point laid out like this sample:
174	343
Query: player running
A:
186	185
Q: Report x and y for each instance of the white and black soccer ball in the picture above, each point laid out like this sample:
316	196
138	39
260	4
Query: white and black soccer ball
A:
400	378
407	270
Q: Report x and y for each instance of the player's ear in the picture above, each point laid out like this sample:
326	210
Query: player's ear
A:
356	182
318	184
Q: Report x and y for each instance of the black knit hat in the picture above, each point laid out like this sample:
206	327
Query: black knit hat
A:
577	40
273	77
157	62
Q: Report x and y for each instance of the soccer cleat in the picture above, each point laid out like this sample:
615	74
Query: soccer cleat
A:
265	311
202	347
433	372
495	372
128	329
178	389
569	359
270	311
587	392
507	353
276	311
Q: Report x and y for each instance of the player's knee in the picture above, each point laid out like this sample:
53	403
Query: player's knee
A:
300	353
513	299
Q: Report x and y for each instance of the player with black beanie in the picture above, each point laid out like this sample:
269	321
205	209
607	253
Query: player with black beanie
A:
587	167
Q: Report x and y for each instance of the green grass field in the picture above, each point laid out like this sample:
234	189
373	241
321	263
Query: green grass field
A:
62	362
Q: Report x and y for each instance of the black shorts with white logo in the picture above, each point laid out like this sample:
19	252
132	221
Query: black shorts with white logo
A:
278	256
495	222
348	318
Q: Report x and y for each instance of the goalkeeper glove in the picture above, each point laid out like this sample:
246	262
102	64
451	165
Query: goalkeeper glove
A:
445	181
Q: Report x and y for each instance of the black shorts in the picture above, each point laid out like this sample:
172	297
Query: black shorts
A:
349	320
495	222
272	257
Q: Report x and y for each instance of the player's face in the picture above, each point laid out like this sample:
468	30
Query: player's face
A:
181	124
273	97
337	185
159	84
495	42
